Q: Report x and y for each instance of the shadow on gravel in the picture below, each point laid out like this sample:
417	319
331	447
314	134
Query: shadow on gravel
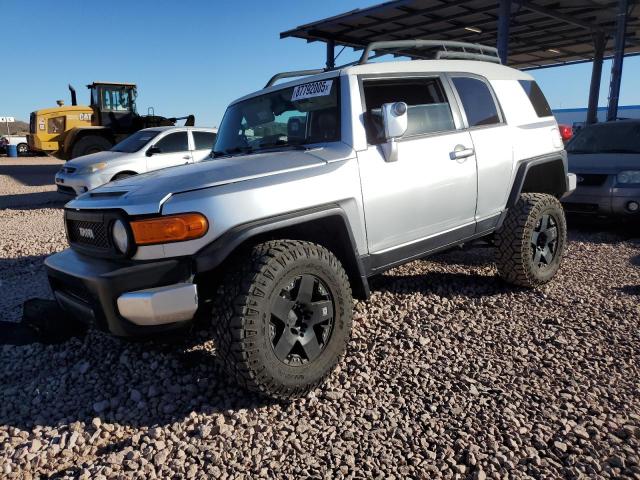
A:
42	322
443	284
624	229
36	175
33	200
140	383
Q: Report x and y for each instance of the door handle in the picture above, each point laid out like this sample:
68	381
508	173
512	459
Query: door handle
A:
460	152
187	157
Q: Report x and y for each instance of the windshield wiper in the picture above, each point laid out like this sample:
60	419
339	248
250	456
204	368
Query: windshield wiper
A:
274	146
232	151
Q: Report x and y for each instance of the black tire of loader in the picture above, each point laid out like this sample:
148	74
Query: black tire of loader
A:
90	144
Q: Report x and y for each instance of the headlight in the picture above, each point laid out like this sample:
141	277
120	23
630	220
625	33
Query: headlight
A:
629	176
94	168
120	236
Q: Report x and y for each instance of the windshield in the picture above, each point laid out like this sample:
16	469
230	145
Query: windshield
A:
135	142
612	137
292	117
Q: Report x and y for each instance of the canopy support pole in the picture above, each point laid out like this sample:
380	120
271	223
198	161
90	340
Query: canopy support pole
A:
618	58
599	43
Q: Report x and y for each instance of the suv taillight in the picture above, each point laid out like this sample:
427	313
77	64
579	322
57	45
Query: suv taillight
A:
566	132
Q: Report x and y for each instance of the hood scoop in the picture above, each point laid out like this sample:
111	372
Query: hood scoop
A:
106	194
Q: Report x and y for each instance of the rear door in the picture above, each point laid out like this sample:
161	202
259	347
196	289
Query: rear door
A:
492	143
174	150
203	144
427	192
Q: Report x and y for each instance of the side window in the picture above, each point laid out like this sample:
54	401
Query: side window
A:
428	108
174	142
540	104
204	140
477	101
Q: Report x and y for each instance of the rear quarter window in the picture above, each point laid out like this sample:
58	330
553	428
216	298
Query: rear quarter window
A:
536	97
477	101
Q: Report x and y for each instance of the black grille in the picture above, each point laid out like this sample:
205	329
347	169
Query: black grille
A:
591	179
89	232
93	234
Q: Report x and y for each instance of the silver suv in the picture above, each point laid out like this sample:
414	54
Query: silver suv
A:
313	187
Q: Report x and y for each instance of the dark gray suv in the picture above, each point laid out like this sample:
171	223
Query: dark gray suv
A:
606	160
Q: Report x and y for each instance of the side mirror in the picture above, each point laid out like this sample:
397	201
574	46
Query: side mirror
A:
395	121
152	151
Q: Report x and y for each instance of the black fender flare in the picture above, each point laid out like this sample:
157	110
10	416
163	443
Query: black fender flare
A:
525	166
212	255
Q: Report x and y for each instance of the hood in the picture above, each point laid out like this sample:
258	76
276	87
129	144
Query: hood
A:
86	160
609	163
147	192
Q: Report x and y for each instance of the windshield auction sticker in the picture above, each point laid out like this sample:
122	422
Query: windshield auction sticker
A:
310	90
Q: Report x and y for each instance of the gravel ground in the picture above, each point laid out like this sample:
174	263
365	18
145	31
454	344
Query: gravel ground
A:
450	373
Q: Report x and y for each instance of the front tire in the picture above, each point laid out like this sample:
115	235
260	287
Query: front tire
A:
23	149
283	316
530	243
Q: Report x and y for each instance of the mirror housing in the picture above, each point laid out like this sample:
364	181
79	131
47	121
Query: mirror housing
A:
395	122
153	151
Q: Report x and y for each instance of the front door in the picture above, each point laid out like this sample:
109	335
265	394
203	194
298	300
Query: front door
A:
430	191
174	150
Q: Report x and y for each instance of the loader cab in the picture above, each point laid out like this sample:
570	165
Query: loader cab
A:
114	105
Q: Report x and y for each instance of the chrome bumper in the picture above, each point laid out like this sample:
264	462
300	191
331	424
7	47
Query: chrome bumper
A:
160	305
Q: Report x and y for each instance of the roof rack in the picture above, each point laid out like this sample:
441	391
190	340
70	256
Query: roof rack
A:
447	49
293	73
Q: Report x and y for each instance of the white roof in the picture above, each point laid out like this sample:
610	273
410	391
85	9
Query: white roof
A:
489	70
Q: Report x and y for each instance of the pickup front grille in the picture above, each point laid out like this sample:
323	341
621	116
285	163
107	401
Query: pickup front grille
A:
591	179
89	231
93	234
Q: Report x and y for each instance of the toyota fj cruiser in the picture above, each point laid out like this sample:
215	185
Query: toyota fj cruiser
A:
314	186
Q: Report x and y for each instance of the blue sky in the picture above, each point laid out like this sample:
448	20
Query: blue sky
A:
193	56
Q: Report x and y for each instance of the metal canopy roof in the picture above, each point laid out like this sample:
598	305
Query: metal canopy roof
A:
542	32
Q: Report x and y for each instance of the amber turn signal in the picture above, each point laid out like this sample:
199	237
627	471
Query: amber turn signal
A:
172	228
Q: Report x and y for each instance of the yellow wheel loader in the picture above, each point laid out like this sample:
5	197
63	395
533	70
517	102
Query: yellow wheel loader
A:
72	131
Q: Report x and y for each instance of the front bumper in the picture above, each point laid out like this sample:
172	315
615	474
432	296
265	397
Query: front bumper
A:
604	200
74	184
126	299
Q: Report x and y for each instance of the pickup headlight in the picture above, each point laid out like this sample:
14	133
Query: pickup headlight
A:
629	176
93	168
121	237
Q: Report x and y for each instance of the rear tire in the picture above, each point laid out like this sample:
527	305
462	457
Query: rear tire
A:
531	241
282	317
90	144
23	149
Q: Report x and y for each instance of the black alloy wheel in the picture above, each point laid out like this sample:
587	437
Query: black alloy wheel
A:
301	320
544	241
